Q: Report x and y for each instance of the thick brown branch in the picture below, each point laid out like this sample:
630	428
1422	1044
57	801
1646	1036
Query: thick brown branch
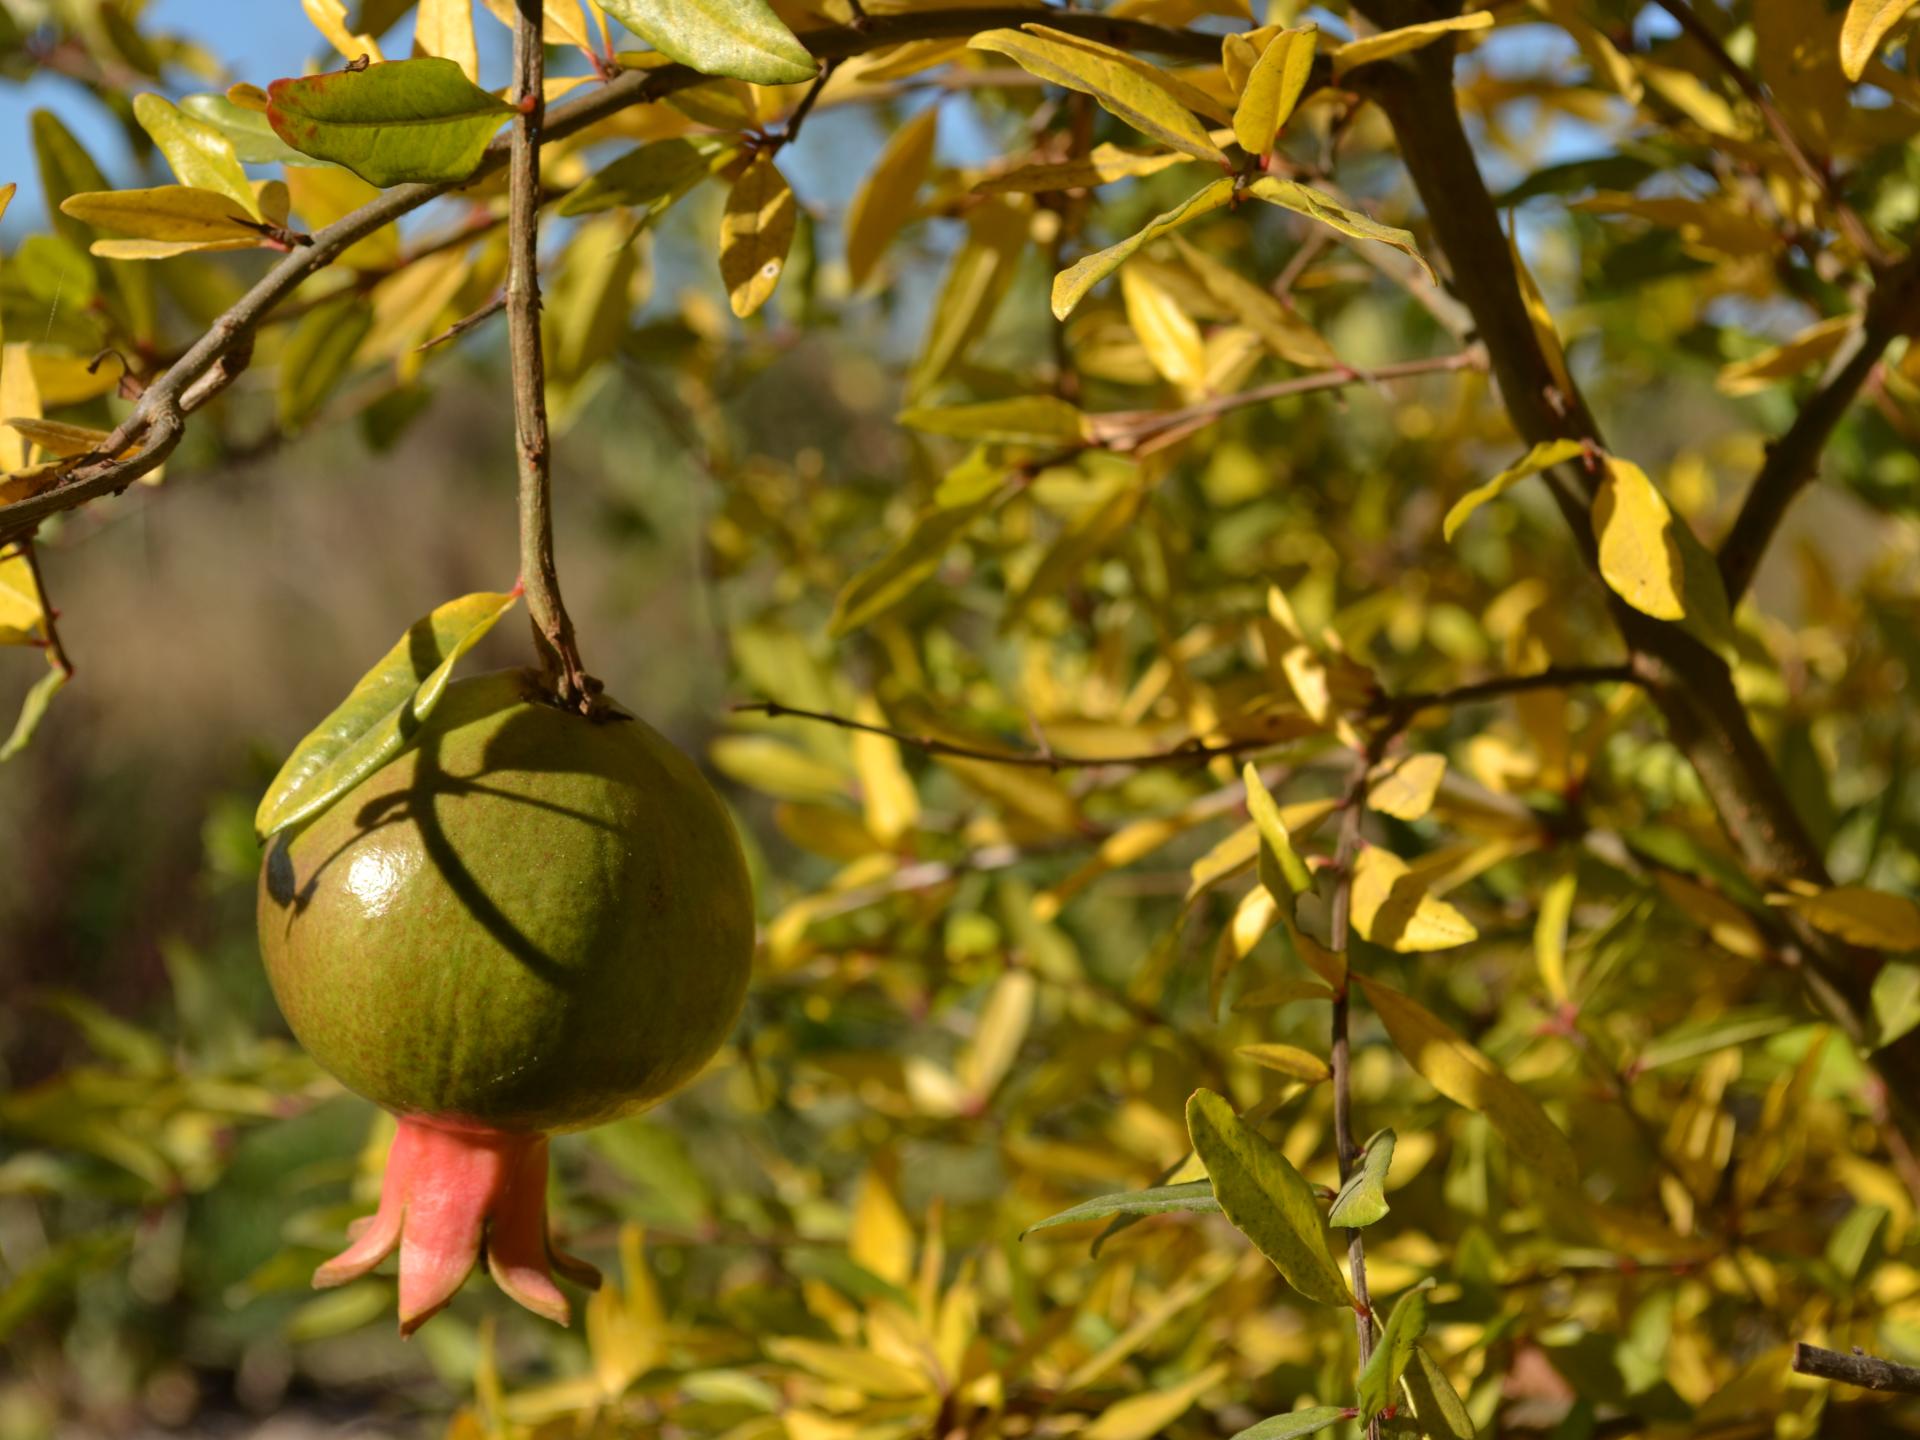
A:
1794	459
552	627
1869	1372
1688	682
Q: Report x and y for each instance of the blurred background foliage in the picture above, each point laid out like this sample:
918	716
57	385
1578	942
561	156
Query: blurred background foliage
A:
985	992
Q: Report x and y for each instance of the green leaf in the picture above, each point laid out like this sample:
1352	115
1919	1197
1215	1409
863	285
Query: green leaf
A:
1265	1197
1896	1001
1441	1413
376	720
406	120
248	131
1363	1199
743	39
1281	870
902	570
1543	456
1071	285
1196	1196
200	154
67	169
1316	205
1380	1381
1024	420
1140	94
32	711
653	177
1854	1247
1296	1424
317	355
1273	88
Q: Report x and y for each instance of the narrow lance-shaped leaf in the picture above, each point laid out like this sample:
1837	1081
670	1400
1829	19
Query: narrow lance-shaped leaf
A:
1273	88
1102	165
743	39
1408	37
1362	1200
178	215
376	719
1296	1424
1288	1060
1265	1197
1195	1197
1868	22
199	154
1071	285
1281	870
1859	915
33	710
1466	1077
1304	200
1442	1414
1135	91
1380	1381
1541	457
407	120
652	177
901	571
1024	420
886	199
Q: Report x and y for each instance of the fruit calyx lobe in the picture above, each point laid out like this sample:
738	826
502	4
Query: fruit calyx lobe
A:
453	1191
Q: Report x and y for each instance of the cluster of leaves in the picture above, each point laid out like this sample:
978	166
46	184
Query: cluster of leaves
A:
1138	728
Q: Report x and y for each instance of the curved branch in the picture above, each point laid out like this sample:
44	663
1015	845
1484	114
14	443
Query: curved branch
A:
156	422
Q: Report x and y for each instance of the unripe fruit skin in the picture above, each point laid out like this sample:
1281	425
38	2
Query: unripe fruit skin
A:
529	920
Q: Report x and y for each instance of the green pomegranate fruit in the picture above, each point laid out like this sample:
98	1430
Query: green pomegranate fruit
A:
528	921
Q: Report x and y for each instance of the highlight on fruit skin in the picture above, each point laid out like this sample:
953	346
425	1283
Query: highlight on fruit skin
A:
527	922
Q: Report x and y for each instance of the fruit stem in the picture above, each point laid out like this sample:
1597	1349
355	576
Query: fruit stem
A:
552	627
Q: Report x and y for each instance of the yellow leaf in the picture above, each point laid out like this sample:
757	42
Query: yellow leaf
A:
58	438
1004	1021
1729	927
1167	333
1143	95
19	400
1307	673
887	795
1639	556
1316	205
1541	318
561	24
755	234
1141	1417
1288	1060
1101	165
1461	1073
1405	789
329	17
1541	457
1782	362
881	1240
1550	934
1279	328
200	155
1391	907
886	200
1859	915
1071	285
20	612
1273	88
1230	856
324	194
1409	37
975	283
1867	24
860	1370
445	28
167	212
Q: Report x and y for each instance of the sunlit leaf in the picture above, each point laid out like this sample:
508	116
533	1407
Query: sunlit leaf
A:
1024	420
1639	556
653	177
756	232
1316	205
1441	1412
171	214
1071	285
1859	915
1195	1196
1265	1198
1465	1076
375	721
1137	92
1289	1060
1389	43
1391	907
1103	164
1363	1199
1273	88
421	120
1809	348
1295	1424
1380	1381
1868	23
886	199
1141	1417
1543	456
743	39
1405	789
200	155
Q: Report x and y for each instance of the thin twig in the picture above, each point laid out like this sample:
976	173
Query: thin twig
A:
48	614
552	627
1818	172
1869	1372
466	322
1567	677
